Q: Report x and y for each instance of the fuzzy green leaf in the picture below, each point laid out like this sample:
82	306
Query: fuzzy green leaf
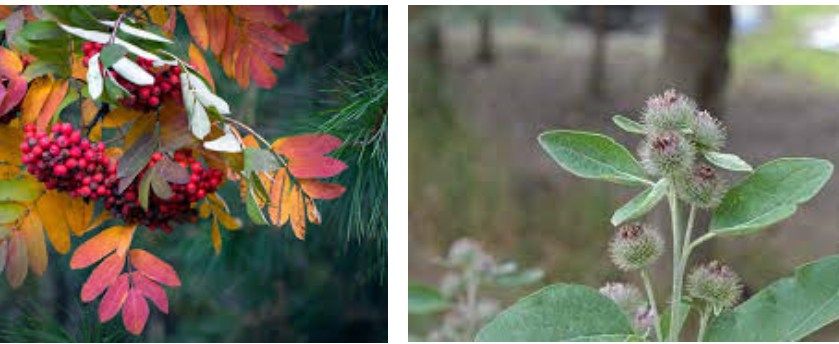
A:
423	299
787	310
628	124
591	155
559	312
642	203
728	161
770	194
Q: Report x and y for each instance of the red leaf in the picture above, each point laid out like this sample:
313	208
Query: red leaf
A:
17	263
135	312
315	167
151	291
102	277
114	298
320	190
197	23
306	145
154	268
14	94
261	72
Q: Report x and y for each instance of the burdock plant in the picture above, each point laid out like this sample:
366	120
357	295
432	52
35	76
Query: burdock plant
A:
680	153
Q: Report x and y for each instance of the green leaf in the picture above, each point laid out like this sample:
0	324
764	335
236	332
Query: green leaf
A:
423	299
259	160
110	54
609	338
520	278
728	161
628	125
144	187
682	314
112	88
253	210
41	68
10	211
770	194
75	15
642	203
591	155
787	310
20	190
559	312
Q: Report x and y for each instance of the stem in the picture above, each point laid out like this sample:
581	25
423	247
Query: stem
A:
676	295
649	287
117	23
258	137
703	325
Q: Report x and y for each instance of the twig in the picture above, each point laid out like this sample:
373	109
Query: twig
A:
117	23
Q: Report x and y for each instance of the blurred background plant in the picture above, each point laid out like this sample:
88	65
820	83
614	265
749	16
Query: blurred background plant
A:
266	285
485	81
459	306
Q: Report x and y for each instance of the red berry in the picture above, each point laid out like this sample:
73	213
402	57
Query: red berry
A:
144	92
154	101
59	170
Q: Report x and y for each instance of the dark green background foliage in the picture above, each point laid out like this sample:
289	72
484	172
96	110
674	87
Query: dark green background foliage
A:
265	285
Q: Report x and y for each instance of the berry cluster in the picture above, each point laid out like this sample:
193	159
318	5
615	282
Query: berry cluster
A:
178	207
65	161
167	82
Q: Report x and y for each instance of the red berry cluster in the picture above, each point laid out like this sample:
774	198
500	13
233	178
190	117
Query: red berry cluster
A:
167	81
202	181
65	161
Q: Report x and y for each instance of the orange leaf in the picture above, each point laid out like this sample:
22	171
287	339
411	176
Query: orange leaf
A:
59	91
118	117
196	59
114	298
261	72
320	190
306	145
115	238
197	23
153	267
16	260
33	234
312	212
50	208
102	277
315	167
249	141
135	312
77	68
297	210
39	91
217	21
278	189
10	63
151	290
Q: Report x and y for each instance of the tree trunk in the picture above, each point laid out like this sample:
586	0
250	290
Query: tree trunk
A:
485	50
696	41
598	52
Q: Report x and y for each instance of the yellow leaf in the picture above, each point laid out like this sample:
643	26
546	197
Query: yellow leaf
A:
51	208
227	220
276	211
8	171
36	248
118	117
141	126
9	145
78	70
215	235
204	210
312	212
79	215
39	91
126	235
89	111
297	209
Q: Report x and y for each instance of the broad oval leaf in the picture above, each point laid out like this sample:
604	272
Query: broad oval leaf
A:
423	299
591	155
770	194
559	312
95	84
728	161
642	203
787	310
628	125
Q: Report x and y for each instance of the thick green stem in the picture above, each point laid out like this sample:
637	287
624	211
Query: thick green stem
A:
651	297
676	295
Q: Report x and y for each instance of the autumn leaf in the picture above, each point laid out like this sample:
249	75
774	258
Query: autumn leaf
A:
306	152
154	268
196	59
102	277
51	210
278	189
135	312
42	101
116	238
320	190
11	68
114	298
151	290
16	260
32	232
249	41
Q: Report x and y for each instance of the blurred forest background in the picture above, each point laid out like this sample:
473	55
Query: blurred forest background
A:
266	285
485	81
